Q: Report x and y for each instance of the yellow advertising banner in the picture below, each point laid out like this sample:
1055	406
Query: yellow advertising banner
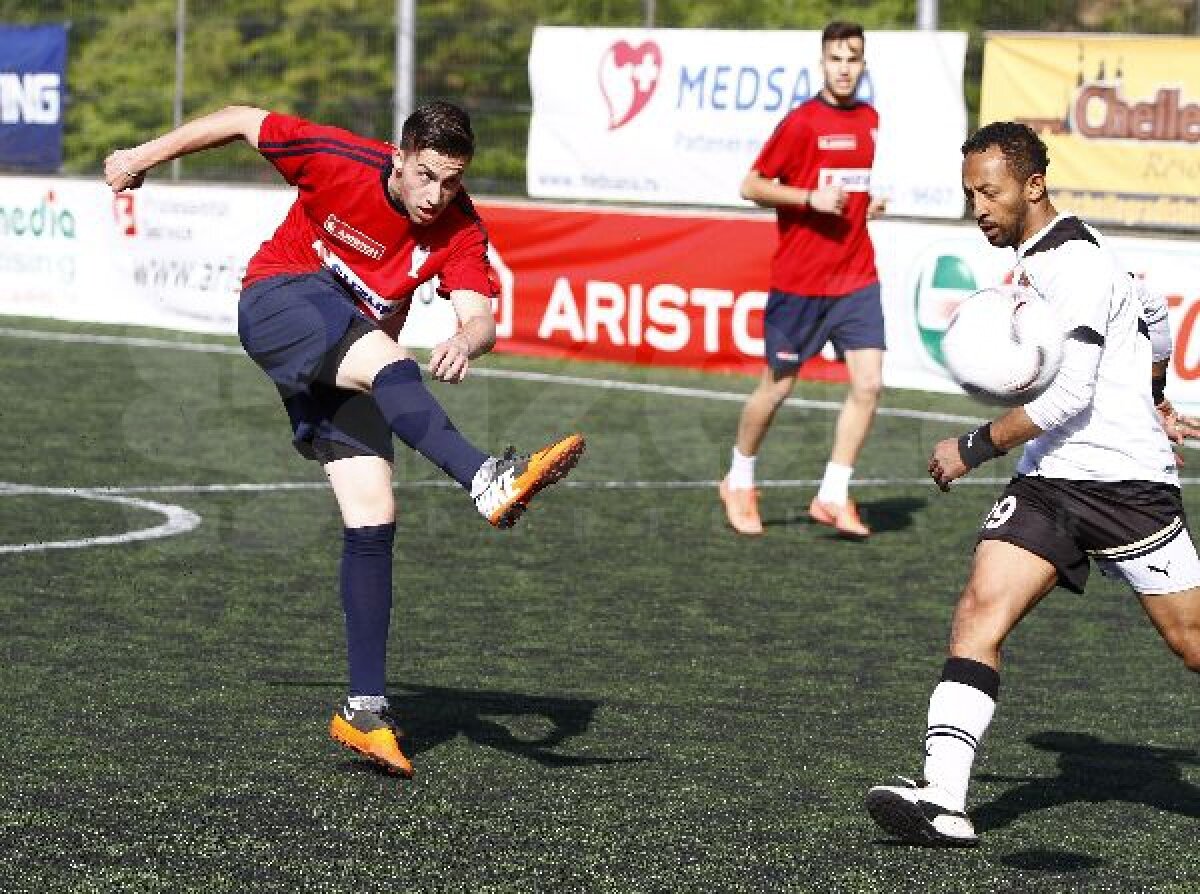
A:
1119	114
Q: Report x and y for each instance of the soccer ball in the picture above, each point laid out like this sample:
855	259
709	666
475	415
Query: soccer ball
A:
1004	345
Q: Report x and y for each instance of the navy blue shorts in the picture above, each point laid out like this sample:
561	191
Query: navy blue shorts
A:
298	328
796	327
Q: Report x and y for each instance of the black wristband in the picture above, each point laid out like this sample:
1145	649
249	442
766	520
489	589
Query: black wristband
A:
977	447
1158	388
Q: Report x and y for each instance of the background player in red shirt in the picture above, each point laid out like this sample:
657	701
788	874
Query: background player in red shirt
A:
815	170
321	304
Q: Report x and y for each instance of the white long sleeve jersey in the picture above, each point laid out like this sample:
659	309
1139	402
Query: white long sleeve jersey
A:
1098	416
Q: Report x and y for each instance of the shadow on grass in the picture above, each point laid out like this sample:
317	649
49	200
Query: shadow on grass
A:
1091	770
1051	861
433	715
881	516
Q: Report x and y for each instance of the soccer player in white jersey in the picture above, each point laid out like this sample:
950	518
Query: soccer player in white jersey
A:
1097	480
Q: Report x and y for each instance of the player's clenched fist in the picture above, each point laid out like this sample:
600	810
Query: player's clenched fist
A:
121	172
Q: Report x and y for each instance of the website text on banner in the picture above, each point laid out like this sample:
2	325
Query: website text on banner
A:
678	116
33	61
1120	115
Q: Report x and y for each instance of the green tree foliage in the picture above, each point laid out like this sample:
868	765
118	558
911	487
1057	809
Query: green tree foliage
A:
333	60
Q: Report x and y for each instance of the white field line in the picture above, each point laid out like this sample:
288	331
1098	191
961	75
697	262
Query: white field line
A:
180	520
488	373
177	519
271	487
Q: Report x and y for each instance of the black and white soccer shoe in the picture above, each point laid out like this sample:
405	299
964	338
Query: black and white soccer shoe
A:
908	812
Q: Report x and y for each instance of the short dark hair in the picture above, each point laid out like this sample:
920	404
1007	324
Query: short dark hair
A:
441	126
1022	148
841	31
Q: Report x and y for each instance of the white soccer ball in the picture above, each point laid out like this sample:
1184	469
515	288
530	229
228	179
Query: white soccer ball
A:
1004	345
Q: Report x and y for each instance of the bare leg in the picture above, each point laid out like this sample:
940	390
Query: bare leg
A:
865	368
772	390
1006	582
1177	617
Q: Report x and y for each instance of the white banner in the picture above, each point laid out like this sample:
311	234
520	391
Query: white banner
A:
678	116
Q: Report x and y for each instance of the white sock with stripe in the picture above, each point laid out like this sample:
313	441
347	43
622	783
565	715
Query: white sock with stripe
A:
960	710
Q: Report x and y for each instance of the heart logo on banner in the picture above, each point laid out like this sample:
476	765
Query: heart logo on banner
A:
628	77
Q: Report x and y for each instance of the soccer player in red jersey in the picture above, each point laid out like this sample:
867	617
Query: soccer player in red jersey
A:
322	302
815	171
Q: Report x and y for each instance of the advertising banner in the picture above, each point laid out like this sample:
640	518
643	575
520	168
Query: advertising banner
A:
629	286
33	65
182	250
679	115
1120	115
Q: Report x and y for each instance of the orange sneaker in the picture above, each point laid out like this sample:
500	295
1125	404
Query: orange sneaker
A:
841	516
741	508
504	485
371	734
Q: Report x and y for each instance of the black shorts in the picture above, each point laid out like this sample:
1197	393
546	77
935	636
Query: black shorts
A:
1120	524
796	327
298	330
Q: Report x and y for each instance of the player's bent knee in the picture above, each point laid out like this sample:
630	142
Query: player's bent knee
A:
868	391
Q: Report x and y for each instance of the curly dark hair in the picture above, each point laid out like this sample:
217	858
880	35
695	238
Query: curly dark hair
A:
441	126
1022	148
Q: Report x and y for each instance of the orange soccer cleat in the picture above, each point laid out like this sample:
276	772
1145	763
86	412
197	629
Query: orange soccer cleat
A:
841	516
741	508
505	484
373	735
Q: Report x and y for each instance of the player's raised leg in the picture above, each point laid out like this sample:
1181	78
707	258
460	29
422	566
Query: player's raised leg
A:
501	487
737	490
363	488
1006	582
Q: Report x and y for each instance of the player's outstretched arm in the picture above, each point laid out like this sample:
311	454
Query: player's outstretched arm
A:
126	168
450	360
955	457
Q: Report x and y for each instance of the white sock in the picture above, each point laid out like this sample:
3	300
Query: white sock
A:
959	715
374	703
835	486
741	471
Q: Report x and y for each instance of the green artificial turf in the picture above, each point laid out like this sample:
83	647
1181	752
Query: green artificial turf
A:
618	695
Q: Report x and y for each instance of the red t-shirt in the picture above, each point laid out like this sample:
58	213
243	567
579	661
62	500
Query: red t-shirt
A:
345	220
818	144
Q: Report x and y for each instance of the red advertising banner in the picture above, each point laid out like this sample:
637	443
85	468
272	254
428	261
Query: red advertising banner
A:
631	287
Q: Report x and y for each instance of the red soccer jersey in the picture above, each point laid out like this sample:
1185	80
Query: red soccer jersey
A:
344	219
815	145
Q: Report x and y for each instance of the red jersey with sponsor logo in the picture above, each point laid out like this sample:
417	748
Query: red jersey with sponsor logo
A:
344	219
817	144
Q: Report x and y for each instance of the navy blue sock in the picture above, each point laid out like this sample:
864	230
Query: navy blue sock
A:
420	422
366	583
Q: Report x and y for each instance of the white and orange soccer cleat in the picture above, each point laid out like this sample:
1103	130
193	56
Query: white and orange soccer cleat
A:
843	517
373	734
741	508
504	485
